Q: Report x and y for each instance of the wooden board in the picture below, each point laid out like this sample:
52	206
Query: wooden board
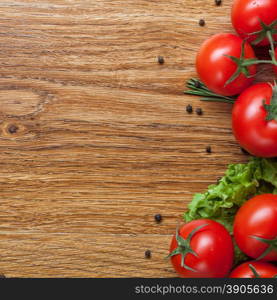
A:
95	139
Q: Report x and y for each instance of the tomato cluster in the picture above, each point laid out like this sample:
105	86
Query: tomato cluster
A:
204	248
227	65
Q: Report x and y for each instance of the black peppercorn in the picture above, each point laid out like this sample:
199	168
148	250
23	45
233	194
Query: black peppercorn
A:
209	149
158	218
202	22
218	2
197	84
160	59
189	109
199	111
12	129
147	254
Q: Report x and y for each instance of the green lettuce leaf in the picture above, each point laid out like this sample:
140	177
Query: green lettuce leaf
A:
240	182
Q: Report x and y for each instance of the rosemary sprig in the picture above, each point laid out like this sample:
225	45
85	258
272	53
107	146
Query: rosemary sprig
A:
196	87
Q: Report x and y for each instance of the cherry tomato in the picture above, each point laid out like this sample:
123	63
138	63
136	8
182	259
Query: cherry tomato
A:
214	68
250	127
202	248
255	227
247	14
254	269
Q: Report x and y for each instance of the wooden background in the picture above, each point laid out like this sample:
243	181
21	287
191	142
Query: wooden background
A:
94	137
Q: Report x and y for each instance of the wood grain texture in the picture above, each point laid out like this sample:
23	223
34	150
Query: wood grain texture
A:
94	137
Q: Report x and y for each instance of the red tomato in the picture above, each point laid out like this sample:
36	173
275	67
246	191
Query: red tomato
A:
264	270
215	69
209	252
256	219
246	16
250	127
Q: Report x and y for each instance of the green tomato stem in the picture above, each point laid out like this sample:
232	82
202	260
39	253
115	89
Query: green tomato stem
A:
271	51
